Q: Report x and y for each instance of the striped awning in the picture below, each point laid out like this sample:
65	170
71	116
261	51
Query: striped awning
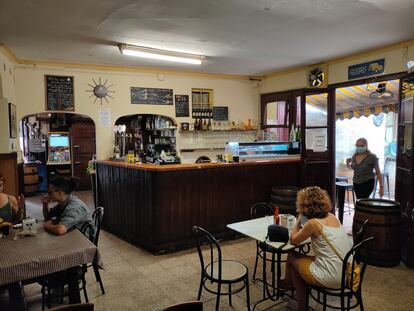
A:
367	111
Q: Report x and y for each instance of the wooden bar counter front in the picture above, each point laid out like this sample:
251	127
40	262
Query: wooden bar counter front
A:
155	207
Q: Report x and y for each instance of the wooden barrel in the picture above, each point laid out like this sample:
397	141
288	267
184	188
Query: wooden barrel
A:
31	179
384	225
285	199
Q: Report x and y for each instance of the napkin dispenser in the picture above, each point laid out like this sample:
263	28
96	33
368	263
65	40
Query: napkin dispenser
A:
29	224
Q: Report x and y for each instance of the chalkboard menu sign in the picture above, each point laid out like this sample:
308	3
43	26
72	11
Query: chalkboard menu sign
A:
220	113
181	106
59	93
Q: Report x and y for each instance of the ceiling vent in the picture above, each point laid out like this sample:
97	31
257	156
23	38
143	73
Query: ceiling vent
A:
381	92
316	77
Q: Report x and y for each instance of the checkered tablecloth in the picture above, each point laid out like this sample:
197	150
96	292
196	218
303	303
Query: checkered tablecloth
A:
45	253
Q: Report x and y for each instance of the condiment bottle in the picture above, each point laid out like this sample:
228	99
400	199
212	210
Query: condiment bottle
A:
276	216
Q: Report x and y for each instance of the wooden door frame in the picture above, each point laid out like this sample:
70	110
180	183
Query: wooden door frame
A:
331	90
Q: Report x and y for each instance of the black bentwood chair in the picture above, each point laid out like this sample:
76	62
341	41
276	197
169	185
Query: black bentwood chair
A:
345	292
74	307
186	306
97	217
216	270
258	210
53	285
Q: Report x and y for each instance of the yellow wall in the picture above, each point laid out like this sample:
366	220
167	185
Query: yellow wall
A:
241	96
395	59
25	87
7	95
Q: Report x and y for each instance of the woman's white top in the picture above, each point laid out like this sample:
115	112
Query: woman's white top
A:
327	267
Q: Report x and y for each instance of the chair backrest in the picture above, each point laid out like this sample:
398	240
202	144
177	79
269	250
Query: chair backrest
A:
353	258
97	217
88	231
260	210
186	306
360	234
74	307
387	162
203	237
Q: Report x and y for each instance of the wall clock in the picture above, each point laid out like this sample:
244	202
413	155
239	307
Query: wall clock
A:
100	91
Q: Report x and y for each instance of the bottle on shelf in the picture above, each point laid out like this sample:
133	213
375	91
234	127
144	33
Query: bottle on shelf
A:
196	125
298	134
276	216
204	125
292	136
209	124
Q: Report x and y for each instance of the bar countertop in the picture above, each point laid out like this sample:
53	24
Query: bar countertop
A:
193	166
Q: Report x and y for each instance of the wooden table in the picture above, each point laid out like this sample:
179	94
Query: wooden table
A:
30	257
257	229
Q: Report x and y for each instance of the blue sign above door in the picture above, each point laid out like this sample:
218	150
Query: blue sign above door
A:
366	69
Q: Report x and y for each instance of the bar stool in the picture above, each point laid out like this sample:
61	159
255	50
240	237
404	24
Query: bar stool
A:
385	177
348	188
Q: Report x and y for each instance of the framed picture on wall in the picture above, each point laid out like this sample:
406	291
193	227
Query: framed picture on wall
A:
12	121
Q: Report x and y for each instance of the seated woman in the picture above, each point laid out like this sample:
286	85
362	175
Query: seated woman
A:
11	210
325	268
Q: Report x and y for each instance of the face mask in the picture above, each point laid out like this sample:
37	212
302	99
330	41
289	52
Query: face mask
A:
360	149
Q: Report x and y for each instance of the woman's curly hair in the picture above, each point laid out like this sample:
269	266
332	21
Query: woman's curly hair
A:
313	202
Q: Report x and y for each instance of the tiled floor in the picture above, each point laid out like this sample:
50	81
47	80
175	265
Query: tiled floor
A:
137	280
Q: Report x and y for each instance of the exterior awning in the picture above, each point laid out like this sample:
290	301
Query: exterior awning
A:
367	111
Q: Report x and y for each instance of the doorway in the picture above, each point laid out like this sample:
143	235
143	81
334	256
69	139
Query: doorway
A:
56	144
368	110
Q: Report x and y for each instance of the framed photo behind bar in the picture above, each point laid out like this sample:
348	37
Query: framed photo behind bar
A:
12	121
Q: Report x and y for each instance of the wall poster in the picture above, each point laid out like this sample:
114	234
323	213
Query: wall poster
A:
151	96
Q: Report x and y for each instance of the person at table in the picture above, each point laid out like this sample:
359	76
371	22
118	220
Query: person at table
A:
364	163
70	212
11	210
313	206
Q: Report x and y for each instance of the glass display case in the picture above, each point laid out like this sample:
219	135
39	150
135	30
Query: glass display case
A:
267	149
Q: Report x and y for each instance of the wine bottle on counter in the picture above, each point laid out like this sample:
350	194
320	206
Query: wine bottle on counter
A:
196	125
209	124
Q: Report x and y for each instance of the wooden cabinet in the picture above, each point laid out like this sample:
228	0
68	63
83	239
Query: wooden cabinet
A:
155	207
83	148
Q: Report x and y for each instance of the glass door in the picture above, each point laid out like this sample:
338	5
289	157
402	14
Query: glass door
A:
317	137
276	115
404	172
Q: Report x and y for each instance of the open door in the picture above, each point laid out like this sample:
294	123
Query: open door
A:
404	172
317	137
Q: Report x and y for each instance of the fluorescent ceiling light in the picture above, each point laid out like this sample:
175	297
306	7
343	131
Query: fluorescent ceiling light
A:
171	56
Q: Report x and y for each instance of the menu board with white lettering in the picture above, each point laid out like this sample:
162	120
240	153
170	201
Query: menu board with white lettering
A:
59	93
182	106
220	113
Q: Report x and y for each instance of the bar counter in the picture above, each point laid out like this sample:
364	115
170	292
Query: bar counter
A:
155	206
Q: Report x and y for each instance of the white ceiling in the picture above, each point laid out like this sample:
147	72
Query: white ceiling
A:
248	37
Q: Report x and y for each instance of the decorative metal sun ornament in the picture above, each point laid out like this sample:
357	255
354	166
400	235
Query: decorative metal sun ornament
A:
100	91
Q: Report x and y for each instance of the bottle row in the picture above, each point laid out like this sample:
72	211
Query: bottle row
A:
202	113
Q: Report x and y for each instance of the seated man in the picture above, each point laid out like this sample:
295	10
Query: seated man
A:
70	212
